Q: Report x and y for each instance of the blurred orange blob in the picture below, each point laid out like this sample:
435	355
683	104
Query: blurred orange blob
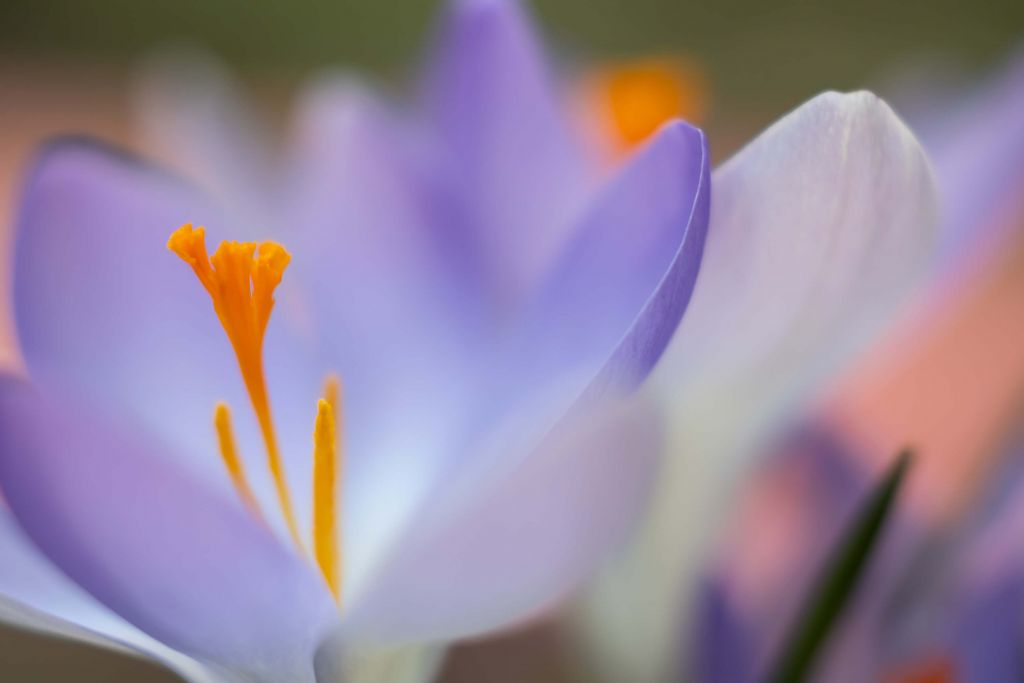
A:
933	670
634	98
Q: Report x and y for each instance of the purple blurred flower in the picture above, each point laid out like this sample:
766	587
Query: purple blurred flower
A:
488	302
975	135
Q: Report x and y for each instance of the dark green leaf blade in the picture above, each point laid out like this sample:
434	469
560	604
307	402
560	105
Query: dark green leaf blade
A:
824	605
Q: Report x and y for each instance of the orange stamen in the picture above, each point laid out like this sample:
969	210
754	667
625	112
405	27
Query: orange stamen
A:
241	284
326	466
233	464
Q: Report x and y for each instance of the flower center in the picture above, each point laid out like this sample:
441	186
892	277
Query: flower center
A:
240	279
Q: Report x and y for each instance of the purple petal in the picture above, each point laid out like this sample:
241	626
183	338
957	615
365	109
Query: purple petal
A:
523	178
105	311
618	293
369	229
505	544
35	595
382	280
177	561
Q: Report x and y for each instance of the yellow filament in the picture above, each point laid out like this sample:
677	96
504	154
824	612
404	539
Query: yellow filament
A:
233	464
241	284
326	463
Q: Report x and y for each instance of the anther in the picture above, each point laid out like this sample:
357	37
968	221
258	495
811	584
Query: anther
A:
326	463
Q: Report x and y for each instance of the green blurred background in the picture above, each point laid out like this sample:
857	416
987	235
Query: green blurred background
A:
761	59
759	54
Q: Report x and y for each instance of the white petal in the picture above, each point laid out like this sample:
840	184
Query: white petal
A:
503	542
816	226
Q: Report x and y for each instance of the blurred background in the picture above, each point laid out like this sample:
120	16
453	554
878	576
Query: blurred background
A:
70	66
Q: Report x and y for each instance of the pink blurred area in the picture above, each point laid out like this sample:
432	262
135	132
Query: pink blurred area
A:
948	380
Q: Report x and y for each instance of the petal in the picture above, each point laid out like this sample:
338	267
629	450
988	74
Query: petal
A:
36	596
504	543
616	296
489	95
819	225
167	555
370	230
383	281
608	309
105	311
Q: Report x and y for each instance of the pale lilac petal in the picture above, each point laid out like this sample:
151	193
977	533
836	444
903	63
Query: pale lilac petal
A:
518	170
818	227
504	544
106	311
36	596
165	553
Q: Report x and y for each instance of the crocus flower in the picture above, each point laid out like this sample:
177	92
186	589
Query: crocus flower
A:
819	229
411	425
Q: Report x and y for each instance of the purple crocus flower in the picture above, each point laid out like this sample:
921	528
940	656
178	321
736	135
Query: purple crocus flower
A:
488	304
